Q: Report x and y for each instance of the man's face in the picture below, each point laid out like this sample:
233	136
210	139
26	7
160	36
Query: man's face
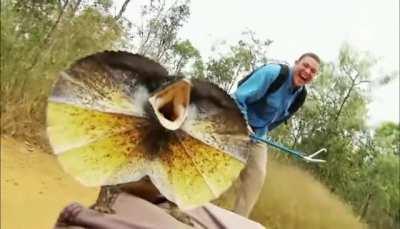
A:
305	71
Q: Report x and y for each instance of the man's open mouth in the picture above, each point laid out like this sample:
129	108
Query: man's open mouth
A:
303	78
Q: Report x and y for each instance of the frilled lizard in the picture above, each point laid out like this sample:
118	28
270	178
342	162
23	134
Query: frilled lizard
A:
114	118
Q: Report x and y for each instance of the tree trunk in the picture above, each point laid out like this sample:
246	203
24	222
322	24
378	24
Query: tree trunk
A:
77	4
365	207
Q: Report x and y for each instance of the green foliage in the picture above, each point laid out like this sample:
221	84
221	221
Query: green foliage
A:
387	138
156	35
241	58
106	4
221	71
383	175
182	53
39	39
385	193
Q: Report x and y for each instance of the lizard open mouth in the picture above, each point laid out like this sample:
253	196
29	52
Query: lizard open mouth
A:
170	104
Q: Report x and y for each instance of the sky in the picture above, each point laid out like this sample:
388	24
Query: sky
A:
308	25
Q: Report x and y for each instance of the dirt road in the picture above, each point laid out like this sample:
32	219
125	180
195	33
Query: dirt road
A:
34	188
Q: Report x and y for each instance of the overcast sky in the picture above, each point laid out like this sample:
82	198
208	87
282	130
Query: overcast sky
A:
308	25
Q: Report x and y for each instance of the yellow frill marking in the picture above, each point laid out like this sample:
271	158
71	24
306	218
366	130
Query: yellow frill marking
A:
198	173
70	126
98	163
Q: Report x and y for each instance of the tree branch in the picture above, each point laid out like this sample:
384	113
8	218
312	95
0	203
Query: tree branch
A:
347	96
122	10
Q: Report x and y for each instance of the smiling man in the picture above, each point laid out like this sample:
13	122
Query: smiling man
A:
267	97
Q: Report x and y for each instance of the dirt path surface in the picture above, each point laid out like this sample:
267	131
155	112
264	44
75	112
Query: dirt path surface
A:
34	188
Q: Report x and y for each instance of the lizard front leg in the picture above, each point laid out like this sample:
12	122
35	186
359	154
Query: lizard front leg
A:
106	199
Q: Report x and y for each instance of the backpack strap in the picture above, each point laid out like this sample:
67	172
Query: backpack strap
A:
298	101
240	82
280	79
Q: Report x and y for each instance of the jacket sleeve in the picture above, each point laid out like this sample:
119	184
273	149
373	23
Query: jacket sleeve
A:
255	87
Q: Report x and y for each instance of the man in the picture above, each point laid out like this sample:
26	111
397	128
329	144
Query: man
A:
267	98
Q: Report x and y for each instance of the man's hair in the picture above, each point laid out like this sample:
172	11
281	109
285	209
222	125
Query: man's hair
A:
312	55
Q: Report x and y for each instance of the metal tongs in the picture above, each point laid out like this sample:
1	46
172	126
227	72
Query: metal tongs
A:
300	155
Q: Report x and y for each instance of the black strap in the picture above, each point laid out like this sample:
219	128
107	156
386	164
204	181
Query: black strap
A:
283	74
240	82
298	101
278	82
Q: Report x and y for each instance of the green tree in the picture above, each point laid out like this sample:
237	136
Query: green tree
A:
387	137
182	53
226	68
38	39
156	34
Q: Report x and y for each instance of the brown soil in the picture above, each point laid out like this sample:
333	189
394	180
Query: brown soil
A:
34	188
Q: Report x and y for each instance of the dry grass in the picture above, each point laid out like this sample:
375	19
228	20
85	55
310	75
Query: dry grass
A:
23	118
293	199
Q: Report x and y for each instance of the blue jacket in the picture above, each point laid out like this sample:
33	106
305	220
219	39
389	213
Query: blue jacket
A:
265	111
